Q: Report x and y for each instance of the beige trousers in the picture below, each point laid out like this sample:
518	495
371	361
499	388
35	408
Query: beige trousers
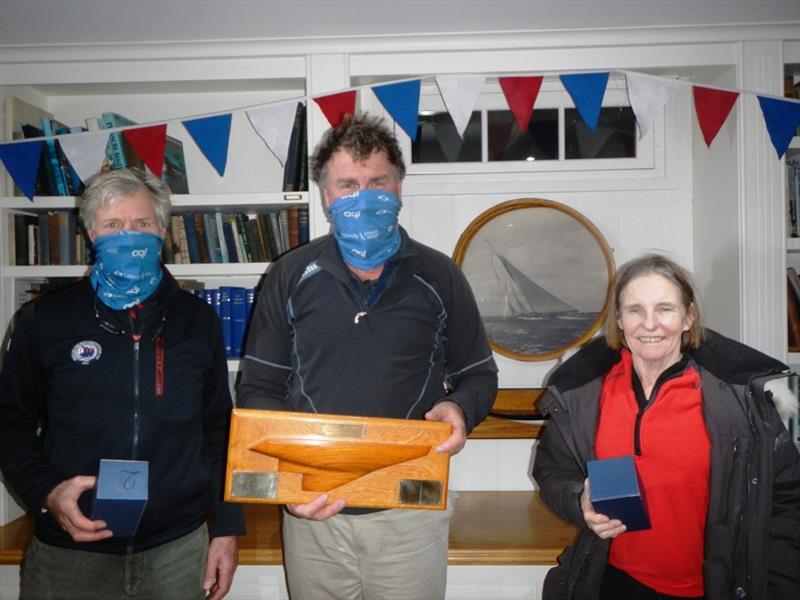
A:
387	555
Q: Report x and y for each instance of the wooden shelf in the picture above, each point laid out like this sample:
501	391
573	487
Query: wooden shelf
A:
245	202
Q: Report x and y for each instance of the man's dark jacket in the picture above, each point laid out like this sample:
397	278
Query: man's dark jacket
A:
77	388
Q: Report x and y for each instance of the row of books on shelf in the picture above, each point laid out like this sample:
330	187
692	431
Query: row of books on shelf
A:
49	238
55	238
792	169
219	237
233	306
57	177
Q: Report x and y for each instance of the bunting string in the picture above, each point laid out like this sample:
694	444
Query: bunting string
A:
273	121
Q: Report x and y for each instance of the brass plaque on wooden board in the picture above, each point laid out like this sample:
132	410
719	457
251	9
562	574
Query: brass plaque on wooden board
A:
281	457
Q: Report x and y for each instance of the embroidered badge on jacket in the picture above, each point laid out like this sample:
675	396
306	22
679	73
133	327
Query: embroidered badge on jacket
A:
86	352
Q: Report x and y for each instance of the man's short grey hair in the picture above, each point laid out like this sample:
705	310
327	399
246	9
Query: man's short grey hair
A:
105	189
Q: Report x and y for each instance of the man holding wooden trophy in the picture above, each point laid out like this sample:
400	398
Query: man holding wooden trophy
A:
368	358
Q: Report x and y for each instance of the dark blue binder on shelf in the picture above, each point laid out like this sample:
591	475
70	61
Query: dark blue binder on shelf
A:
238	319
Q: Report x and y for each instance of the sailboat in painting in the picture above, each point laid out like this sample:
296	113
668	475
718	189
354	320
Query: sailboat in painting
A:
532	320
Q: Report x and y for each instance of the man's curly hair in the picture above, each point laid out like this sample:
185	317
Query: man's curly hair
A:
360	136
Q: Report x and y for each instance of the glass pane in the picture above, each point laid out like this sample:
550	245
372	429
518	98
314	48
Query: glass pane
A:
539	142
615	136
438	141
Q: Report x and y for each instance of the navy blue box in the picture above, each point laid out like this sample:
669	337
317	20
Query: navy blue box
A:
617	492
120	495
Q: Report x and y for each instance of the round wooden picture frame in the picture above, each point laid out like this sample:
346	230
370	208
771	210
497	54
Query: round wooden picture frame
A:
540	272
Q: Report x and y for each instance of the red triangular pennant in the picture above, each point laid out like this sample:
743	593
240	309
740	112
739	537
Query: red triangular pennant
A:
521	93
712	107
336	106
149	143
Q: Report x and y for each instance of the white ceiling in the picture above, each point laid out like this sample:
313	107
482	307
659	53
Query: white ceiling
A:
86	21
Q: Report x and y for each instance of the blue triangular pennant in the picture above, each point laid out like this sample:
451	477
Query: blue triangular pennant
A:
402	102
587	91
212	134
782	118
22	163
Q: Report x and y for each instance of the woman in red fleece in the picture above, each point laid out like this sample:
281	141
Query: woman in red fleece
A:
721	477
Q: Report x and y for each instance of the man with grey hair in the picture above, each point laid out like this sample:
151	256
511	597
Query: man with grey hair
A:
367	322
123	365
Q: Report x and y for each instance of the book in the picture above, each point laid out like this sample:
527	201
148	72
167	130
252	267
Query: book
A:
230	238
247	253
50	148
223	245
54	247
292	167
200	232
238	296
21	238
253	240
44	239
191	238
292	217
283	222
181	251
42	187
225	317
302	225
122	154
263	232
119	151
794	282
173	172
212	238
793	321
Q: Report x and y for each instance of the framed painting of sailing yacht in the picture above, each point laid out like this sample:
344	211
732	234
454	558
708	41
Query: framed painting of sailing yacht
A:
540	272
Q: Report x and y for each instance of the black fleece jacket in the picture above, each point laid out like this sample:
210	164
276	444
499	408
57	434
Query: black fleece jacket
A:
77	388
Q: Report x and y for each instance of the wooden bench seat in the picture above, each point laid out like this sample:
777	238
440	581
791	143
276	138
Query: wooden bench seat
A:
488	528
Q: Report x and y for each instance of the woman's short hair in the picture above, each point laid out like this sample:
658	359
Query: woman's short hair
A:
654	264
360	136
109	187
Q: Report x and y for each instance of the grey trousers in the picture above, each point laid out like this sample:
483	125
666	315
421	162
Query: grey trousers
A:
172	571
387	555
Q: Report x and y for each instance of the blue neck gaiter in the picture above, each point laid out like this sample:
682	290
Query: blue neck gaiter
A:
365	227
127	268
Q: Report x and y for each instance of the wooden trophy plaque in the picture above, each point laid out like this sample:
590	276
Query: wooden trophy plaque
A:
288	457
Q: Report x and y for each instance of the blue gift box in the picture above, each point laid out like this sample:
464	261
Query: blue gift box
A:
120	495
617	492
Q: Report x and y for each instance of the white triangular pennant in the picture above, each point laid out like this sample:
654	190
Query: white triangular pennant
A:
273	122
85	152
648	95
460	94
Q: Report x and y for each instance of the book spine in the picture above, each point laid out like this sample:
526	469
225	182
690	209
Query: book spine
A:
238	319
53	225
302	225
283	222
212	239
241	224
292	215
228	227
225	317
223	246
263	232
52	153
44	239
191	238
290	169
